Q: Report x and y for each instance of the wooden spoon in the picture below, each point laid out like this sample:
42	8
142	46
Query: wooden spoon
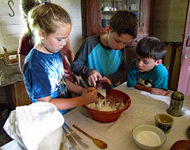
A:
85	85
97	142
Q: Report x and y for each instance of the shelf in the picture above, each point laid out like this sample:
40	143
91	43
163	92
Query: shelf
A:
114	11
95	14
107	11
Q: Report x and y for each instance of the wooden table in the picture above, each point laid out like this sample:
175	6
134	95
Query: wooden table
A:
117	135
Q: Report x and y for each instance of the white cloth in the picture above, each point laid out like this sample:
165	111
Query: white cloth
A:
29	124
144	107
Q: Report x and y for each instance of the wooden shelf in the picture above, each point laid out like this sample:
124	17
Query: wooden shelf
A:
94	17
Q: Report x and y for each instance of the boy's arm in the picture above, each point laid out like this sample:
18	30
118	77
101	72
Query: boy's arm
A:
132	76
151	90
78	66
120	73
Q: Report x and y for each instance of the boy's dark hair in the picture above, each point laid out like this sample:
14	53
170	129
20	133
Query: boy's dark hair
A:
124	22
151	47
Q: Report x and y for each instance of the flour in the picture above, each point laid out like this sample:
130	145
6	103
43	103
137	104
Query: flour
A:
148	138
102	92
104	105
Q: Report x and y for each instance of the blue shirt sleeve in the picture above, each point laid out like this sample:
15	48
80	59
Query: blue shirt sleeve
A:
132	76
158	76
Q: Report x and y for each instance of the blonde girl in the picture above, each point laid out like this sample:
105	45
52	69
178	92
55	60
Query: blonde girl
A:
43	68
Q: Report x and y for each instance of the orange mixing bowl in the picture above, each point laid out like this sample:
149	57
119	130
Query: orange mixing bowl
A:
114	96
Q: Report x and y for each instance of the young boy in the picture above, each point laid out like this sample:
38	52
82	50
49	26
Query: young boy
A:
147	72
103	56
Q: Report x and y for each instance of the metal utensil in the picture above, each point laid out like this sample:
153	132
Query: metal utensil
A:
81	142
97	142
71	140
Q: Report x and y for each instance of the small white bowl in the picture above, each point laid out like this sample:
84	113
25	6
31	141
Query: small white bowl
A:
148	137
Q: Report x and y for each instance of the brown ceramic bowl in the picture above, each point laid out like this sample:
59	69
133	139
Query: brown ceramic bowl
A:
104	85
110	116
181	145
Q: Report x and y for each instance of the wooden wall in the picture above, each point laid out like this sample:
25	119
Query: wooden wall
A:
169	19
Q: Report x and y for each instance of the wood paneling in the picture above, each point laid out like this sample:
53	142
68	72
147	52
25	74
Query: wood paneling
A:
17	95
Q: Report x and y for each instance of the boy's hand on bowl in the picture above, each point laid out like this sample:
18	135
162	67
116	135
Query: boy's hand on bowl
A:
93	77
108	80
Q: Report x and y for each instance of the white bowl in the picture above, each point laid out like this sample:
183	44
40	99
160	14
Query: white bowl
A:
148	137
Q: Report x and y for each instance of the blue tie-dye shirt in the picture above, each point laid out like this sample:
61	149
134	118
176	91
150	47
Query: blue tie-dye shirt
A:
44	76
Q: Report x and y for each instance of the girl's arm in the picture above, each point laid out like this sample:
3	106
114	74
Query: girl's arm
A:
67	103
74	87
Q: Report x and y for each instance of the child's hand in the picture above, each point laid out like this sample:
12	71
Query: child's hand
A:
167	92
90	97
152	90
104	78
158	91
93	77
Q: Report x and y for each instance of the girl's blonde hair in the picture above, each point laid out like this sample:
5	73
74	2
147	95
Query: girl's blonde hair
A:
46	17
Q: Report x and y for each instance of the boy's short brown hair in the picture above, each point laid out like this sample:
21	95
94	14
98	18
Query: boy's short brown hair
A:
151	47
124	22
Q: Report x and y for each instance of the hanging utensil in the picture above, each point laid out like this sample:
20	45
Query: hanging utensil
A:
11	8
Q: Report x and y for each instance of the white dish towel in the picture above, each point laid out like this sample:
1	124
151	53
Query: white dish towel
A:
29	124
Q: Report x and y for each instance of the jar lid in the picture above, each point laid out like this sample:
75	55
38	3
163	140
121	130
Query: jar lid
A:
177	95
